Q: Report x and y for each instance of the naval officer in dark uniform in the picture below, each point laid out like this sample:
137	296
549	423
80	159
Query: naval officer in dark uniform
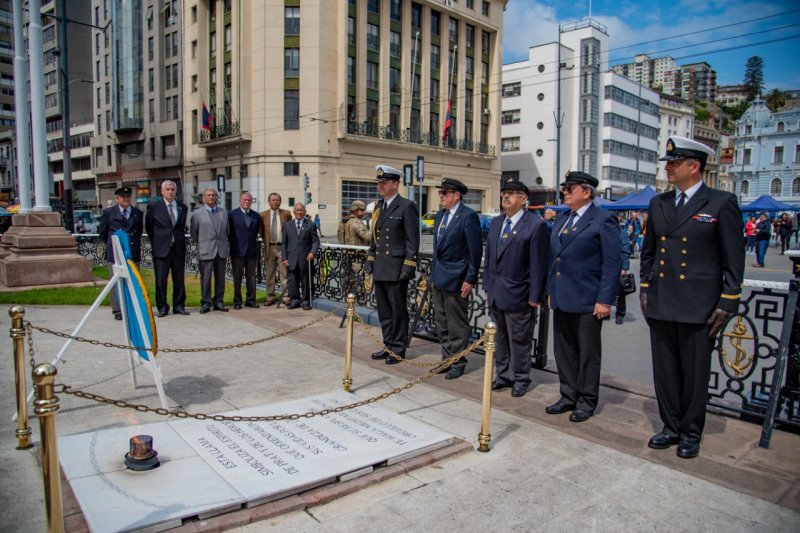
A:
392	260
454	270
692	268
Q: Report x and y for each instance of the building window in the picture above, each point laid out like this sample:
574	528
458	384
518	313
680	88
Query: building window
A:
228	37
747	156
436	23
351	31
469	68
436	57
434	90
539	125
291	23
351	70
509	144
468	101
778	155
512	89
372	75
485	8
291	110
373	37
395	44
453	30
540	96
796	150
291	63
780	127
212	43
291	169
394	80
374	6
539	152
395	9
151	80
194	83
151	111
228	77
372	113
470	37
510	117
485	43
745	188
775	187
796	187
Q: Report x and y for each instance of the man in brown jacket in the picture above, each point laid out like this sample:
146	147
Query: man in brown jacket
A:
272	221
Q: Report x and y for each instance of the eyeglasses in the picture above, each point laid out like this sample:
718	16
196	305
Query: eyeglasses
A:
512	193
567	189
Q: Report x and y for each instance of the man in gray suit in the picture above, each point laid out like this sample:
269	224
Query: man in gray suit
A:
299	246
209	229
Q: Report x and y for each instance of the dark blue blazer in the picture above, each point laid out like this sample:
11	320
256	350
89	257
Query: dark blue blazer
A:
517	273
243	238
585	268
295	247
111	220
457	253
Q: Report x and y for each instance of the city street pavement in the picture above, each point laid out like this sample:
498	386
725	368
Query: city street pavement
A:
543	472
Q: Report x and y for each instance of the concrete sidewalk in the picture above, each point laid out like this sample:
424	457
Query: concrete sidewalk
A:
543	473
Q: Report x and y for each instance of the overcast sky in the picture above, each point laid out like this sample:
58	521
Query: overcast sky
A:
633	22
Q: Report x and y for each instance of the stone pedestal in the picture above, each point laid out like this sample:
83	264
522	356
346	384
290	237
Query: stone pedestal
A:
37	250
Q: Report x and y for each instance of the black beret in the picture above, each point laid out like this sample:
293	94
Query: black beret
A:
123	191
580	178
452	184
510	184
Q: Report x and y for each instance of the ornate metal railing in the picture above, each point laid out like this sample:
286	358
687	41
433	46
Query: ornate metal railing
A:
365	129
220	131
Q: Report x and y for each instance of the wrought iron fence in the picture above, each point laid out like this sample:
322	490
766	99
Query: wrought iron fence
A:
365	129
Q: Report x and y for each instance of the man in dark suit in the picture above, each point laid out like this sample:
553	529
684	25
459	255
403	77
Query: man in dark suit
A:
582	284
165	224
209	231
514	276
130	220
272	221
300	245
454	271
691	277
244	225
392	261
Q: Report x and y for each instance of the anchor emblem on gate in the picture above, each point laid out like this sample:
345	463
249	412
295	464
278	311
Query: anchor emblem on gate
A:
742	361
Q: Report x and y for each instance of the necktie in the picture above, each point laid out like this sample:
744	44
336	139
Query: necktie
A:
172	214
273	227
568	225
443	225
681	200
247	218
506	233
299	227
125	215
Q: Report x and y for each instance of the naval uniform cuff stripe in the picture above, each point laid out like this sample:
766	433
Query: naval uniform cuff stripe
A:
731	296
645	285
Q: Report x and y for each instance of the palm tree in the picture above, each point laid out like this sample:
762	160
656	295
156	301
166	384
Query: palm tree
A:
776	99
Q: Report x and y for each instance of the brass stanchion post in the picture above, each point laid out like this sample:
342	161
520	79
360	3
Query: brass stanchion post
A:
347	382
484	437
17	313
45	406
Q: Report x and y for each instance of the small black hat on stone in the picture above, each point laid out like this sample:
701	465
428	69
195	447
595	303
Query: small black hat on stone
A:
385	172
452	184
580	178
511	184
123	191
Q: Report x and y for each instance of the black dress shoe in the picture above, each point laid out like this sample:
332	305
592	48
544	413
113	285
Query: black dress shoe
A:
293	306
662	441
519	390
688	448
237	306
500	385
181	311
221	308
306	307
162	313
580	415
254	306
455	372
619	320
392	360
204	310
118	316
379	355
561	406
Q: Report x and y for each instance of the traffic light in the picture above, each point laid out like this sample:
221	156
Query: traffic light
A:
308	198
306	182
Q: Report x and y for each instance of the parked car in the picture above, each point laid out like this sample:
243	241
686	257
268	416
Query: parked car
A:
426	222
85	221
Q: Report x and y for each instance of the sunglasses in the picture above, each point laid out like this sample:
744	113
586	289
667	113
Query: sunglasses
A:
567	189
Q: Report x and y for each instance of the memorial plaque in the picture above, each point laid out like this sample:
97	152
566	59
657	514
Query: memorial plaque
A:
209	467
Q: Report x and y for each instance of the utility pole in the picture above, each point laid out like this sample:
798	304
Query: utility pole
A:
638	135
66	129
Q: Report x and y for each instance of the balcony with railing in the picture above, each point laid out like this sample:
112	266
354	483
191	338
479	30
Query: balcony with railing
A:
407	135
222	133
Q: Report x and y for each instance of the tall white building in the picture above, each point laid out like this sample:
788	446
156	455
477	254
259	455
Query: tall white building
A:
647	71
677	118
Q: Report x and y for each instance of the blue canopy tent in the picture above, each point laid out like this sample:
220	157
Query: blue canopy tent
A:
767	203
636	201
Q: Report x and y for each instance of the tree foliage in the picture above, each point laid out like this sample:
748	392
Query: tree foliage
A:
754	77
776	99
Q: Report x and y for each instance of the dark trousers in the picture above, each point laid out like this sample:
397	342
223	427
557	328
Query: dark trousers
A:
393	313
514	341
246	266
172	265
212	268
785	242
681	367
578	348
299	288
113	295
452	323
621	306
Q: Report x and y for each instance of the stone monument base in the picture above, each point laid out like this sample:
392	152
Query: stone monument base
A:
210	467
37	251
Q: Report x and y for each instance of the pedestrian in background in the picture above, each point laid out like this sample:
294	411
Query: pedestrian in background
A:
625	248
750	235
785	229
762	232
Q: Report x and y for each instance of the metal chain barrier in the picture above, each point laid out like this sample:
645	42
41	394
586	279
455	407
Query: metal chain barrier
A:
66	389
30	327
